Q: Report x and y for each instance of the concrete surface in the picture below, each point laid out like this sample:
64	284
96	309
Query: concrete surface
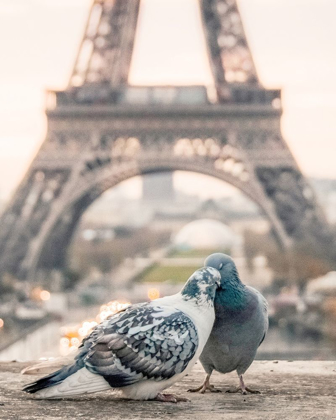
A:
289	390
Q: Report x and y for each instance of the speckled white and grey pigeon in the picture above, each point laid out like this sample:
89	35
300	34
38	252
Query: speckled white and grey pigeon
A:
143	349
240	327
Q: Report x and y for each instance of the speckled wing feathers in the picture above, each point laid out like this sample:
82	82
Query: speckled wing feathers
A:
142	342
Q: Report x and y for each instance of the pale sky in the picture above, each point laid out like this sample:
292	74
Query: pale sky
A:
292	41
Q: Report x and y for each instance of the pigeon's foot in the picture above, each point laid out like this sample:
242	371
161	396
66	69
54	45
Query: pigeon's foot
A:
205	387
172	398
242	388
244	391
252	391
233	390
236	390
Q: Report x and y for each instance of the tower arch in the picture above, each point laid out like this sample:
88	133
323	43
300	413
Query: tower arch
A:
102	130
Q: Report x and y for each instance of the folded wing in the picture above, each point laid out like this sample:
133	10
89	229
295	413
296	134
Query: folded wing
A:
143	342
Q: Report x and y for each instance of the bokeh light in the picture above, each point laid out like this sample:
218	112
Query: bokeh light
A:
72	335
153	293
45	295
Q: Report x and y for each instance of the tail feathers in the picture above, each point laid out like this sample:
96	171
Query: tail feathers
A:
48	366
78	383
52	379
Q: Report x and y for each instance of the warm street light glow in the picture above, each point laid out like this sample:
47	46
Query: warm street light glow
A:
45	295
153	293
111	308
1	323
72	335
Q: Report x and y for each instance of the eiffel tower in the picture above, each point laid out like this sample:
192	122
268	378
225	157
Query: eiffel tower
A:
101	131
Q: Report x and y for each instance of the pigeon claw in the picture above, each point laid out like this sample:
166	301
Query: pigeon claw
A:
242	388
200	389
205	387
251	391
244	391
211	388
235	391
172	398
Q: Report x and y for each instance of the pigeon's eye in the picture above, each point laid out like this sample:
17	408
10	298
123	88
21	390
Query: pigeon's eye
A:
220	266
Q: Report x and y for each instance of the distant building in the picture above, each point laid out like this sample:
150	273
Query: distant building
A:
206	234
211	209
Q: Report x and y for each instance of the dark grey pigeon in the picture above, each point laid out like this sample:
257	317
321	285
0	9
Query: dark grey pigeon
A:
240	326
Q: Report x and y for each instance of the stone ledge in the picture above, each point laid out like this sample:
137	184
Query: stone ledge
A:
289	390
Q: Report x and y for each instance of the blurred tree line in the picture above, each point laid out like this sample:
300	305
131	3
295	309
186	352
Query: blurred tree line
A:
105	255
305	261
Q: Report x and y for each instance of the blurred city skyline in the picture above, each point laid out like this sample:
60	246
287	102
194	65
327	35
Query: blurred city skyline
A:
291	42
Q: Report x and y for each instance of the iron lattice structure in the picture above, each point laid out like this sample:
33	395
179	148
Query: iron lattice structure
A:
102	131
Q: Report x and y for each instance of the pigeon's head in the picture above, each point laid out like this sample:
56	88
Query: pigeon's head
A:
202	285
225	265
